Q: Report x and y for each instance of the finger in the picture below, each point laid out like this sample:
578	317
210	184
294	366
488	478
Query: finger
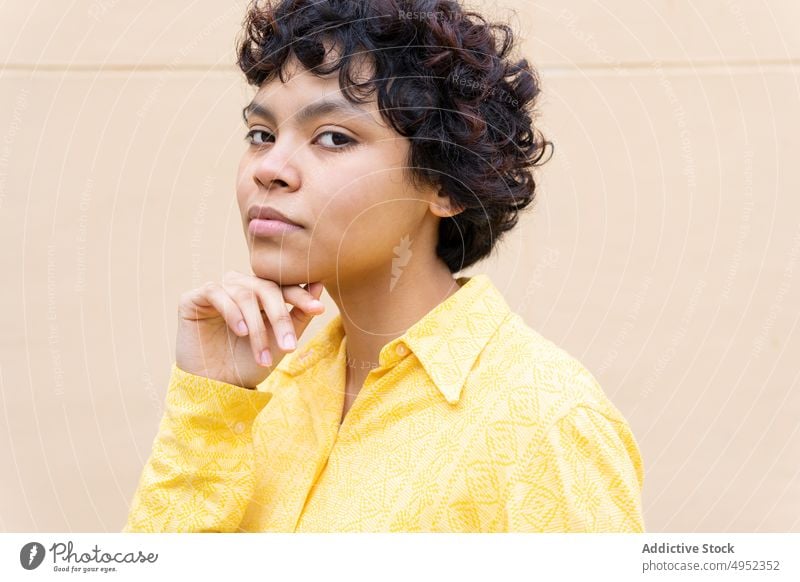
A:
272	299
316	289
225	306
306	304
301	298
301	318
248	302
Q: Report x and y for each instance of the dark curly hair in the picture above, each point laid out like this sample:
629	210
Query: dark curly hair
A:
443	80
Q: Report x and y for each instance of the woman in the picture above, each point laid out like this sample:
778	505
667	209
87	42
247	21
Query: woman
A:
389	147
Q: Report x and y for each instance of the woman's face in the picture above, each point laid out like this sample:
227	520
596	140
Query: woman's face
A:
338	171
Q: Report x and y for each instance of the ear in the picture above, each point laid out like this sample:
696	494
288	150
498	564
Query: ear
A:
443	206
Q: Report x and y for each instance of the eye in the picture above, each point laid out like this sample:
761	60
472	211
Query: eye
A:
337	140
252	133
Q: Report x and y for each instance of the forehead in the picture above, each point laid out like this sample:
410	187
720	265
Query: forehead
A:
302	90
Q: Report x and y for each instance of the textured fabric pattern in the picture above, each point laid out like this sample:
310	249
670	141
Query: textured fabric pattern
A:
472	422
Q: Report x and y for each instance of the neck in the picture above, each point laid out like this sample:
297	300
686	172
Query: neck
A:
378	307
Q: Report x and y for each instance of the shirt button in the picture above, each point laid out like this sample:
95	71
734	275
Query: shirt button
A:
238	428
401	350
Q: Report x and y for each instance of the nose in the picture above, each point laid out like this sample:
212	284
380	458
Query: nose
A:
276	168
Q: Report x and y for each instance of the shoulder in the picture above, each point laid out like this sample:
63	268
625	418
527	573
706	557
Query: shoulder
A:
556	402
541	379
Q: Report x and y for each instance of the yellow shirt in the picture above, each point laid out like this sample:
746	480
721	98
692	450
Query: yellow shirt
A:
472	422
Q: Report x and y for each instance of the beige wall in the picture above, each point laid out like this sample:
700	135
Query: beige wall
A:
663	252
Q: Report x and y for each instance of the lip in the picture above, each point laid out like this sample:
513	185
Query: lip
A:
263	227
267	213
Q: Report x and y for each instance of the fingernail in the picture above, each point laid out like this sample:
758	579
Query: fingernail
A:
288	341
241	327
266	358
315	303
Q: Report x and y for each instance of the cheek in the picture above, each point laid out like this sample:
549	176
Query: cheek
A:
364	204
245	186
370	216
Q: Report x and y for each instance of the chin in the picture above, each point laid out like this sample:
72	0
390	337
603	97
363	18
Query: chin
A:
280	268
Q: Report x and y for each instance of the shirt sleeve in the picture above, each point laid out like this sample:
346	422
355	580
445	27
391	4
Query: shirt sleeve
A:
198	477
585	476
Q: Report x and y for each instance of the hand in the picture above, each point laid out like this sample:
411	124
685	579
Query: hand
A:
238	330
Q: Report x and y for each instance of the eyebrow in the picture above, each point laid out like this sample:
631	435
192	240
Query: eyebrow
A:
308	112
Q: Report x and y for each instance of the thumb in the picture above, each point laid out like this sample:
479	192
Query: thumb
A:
316	289
301	318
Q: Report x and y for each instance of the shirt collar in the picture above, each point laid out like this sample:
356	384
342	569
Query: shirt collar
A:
447	340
